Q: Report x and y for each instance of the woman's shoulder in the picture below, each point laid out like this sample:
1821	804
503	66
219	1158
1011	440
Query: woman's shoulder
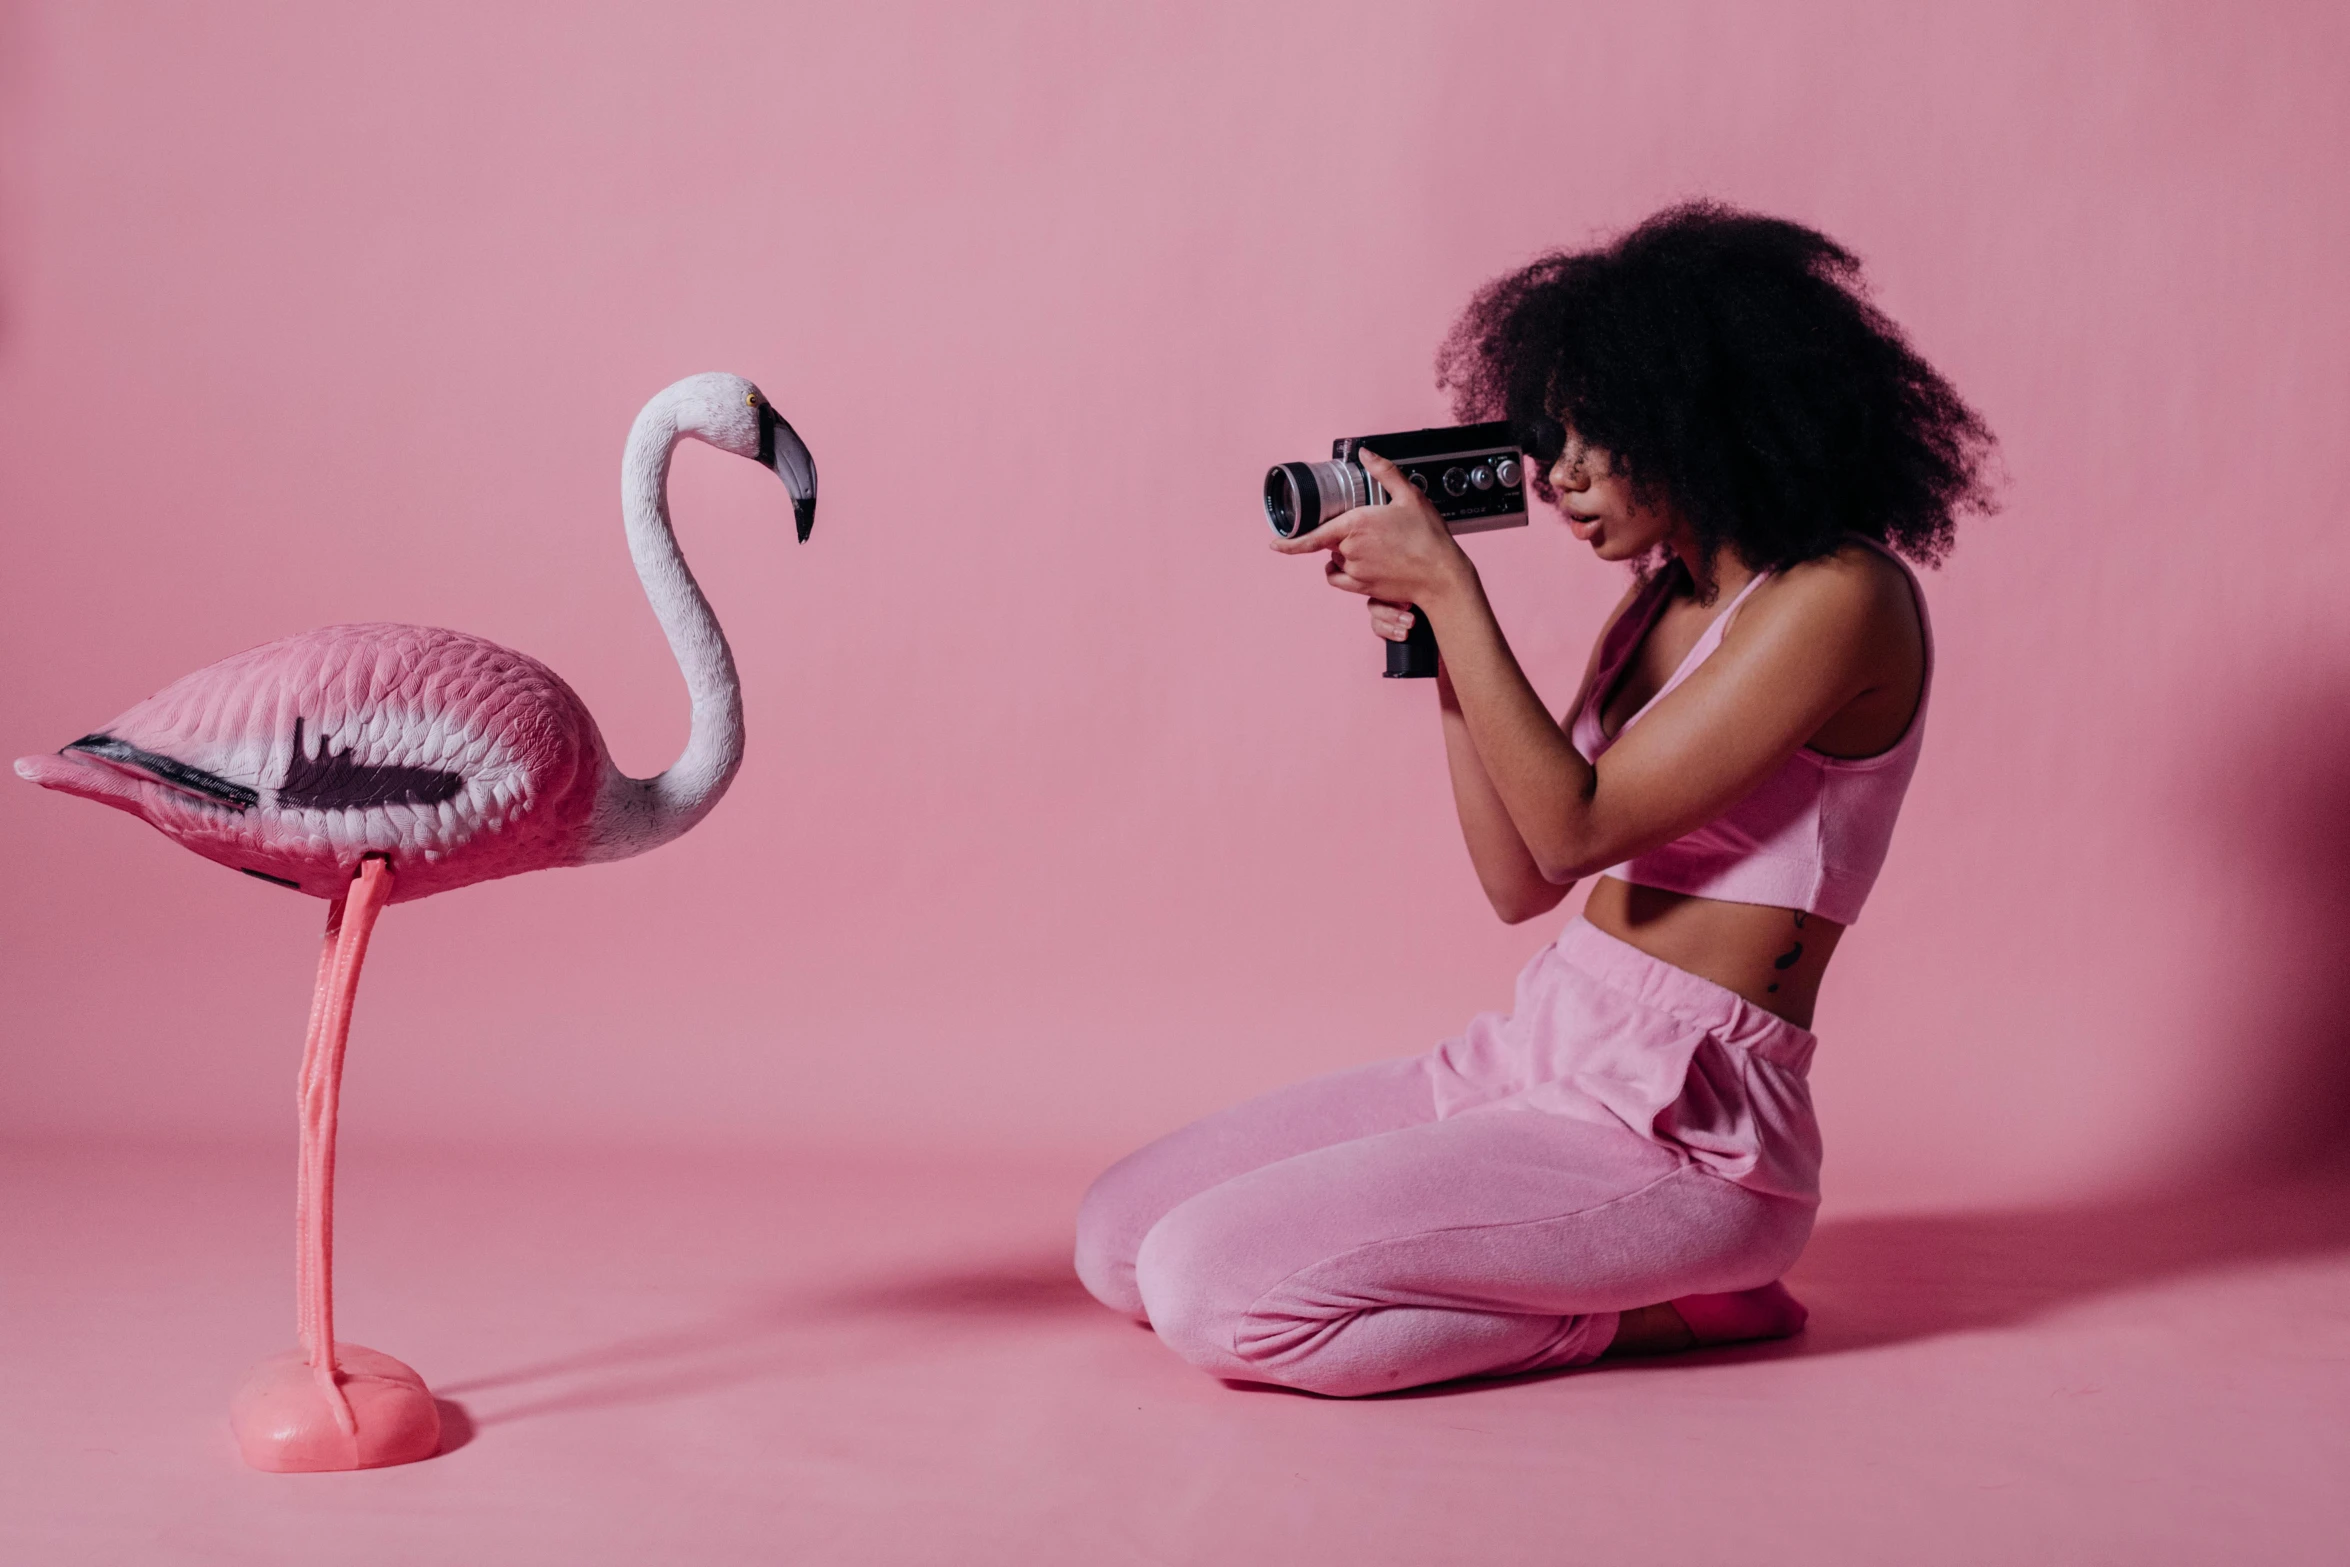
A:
1857	564
1856	580
1857	596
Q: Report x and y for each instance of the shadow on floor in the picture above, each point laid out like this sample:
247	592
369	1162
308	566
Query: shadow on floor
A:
1884	1280
1870	1282
874	1322
1043	1285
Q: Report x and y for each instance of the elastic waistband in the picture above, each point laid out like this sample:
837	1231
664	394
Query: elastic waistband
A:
1721	1012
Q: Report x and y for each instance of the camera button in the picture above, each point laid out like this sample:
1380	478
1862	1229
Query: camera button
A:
1481	476
1455	481
1507	472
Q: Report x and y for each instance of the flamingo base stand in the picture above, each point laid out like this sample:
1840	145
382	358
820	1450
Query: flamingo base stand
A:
330	1405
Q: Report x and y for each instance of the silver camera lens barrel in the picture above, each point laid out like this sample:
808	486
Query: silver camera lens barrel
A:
1301	496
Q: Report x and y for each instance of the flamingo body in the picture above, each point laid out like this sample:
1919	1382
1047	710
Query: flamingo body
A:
452	758
455	758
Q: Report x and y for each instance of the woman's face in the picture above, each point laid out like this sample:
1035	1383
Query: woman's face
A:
1599	505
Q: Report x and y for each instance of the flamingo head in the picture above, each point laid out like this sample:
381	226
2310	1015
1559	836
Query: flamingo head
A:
733	415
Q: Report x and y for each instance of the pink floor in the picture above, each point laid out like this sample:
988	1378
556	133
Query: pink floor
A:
653	1361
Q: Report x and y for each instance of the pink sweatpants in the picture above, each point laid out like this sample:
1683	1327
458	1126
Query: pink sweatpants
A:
1629	1133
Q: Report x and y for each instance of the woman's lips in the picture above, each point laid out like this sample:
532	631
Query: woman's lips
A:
1584	528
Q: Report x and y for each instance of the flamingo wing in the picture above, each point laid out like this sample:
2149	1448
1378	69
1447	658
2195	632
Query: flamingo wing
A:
456	758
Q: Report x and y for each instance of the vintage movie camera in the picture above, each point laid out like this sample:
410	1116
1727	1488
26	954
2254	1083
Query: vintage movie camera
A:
1473	473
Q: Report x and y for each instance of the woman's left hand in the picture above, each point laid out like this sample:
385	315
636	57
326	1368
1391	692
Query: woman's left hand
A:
1398	551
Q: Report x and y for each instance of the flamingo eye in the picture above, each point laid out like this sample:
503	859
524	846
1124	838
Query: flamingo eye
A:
750	399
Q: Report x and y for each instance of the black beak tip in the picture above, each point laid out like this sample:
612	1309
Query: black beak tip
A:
804	516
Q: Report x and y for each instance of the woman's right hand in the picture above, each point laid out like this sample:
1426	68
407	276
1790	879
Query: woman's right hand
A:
1392	621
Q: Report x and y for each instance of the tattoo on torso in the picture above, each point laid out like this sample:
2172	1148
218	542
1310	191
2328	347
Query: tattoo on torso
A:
1788	959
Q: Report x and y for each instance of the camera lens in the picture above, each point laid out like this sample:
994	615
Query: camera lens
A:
1507	472
1301	496
1455	481
1286	501
1481	476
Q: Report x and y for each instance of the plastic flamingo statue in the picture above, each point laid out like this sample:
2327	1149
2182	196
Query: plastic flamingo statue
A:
374	764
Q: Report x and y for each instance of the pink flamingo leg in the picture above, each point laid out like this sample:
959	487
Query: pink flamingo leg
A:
321	1100
305	1323
330	1405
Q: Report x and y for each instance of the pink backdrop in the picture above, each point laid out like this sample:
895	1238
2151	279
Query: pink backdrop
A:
1070	812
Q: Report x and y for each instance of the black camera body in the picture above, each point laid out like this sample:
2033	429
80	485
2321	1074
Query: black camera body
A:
1474	475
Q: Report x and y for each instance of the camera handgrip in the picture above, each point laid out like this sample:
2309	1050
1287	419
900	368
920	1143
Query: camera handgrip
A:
1414	658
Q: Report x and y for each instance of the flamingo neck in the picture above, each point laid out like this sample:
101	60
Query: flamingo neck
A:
636	814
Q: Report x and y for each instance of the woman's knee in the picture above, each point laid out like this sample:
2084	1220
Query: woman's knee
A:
1212	1293
1183	1275
1111	1222
1217	1313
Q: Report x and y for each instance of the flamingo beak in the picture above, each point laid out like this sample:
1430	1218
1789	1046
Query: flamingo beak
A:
781	449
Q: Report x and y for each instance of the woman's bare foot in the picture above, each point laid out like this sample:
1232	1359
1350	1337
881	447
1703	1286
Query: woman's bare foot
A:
1694	1321
1651	1330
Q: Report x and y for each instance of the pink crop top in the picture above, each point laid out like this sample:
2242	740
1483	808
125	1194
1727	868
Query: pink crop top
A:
1811	836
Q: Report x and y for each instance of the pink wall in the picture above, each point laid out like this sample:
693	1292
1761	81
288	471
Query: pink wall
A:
1070	812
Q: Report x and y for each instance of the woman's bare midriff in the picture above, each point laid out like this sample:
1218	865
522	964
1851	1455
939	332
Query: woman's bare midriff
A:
1773	957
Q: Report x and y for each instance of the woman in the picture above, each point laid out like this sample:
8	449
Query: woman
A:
1628	1161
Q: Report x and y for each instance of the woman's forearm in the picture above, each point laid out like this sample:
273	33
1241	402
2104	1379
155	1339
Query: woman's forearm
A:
1513	883
1399	552
1539	781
